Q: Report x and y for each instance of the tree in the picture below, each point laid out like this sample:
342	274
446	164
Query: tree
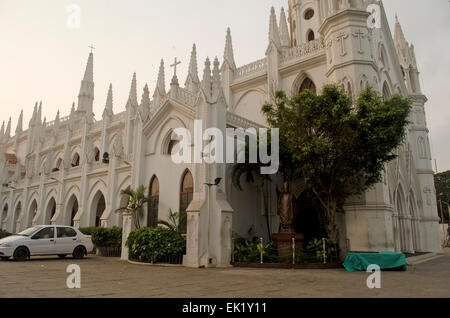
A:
339	148
136	201
442	183
175	221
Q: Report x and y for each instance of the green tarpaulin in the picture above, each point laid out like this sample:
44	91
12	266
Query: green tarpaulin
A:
386	260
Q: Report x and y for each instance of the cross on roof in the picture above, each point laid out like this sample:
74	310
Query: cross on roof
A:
91	47
174	65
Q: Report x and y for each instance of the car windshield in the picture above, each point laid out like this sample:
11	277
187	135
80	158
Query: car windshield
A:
29	231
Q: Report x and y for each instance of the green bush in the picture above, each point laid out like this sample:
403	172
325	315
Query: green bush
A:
250	252
154	244
107	237
4	234
87	230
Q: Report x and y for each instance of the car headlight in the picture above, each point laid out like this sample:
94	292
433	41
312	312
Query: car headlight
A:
5	245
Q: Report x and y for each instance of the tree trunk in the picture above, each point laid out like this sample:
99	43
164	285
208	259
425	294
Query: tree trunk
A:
266	210
333	232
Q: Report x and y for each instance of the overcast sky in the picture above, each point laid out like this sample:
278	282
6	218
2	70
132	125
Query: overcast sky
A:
41	58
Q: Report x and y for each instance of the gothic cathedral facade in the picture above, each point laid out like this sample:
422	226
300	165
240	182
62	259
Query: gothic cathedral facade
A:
71	170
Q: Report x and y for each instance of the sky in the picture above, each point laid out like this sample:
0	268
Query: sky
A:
43	58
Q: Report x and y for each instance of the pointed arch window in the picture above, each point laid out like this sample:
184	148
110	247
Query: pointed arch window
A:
186	196
97	154
153	202
310	35
307	84
58	165
76	160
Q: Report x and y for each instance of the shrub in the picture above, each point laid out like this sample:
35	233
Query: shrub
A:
250	252
107	237
4	234
154	244
87	230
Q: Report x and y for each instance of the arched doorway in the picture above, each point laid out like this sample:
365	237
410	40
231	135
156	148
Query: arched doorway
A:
50	211
32	213
309	217
153	203
186	195
16	217
307	84
98	206
72	209
4	215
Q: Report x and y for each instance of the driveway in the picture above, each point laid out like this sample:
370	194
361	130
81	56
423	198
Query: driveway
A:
111	277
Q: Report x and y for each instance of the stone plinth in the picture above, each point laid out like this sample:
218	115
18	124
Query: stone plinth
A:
284	243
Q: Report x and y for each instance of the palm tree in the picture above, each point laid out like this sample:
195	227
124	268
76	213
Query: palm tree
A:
136	202
175	221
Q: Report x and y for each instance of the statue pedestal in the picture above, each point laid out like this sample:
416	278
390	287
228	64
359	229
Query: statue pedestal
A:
283	241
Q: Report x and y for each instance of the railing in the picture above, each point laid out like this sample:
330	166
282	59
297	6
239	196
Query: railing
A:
271	254
186	97
302	50
252	68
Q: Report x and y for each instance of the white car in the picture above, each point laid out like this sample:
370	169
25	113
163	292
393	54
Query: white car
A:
46	240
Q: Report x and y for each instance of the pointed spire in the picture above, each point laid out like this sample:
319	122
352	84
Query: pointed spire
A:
274	35
2	132
284	31
145	103
401	45
207	80
72	110
57	118
19	127
132	96
160	89
216	84
32	121
39	113
86	94
89	72
8	128
228	55
192	80
109	103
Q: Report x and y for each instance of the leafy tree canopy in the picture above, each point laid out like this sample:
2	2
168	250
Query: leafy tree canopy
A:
339	147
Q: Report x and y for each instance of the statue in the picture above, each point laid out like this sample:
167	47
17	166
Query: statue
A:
287	236
286	201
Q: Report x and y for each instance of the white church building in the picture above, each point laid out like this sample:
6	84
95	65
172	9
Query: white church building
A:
71	170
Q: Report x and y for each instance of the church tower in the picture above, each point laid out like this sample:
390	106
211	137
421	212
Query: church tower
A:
86	95
304	18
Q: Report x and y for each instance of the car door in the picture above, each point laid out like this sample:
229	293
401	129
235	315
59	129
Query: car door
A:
43	242
66	240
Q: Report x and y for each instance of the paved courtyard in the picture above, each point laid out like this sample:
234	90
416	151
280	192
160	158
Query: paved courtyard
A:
110	277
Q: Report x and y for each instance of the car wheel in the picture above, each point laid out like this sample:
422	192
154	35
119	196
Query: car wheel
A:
62	255
20	254
79	252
